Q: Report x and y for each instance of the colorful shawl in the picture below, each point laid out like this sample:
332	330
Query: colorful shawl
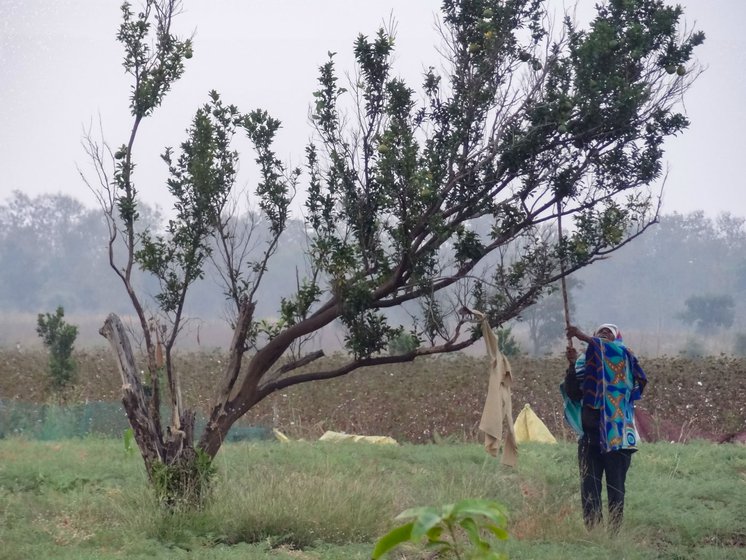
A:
612	380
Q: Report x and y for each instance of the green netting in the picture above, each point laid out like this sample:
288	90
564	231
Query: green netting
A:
100	418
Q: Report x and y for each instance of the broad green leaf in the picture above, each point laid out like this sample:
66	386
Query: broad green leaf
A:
439	545
472	531
392	539
414	512
448	510
424	522
433	535
499	532
493	511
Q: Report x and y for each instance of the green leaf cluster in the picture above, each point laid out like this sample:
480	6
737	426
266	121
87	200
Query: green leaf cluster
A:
296	308
200	181
466	529
274	189
154	58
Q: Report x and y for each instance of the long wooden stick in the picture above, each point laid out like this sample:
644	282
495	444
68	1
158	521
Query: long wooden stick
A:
562	271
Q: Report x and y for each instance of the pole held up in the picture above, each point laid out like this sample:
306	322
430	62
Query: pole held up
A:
562	271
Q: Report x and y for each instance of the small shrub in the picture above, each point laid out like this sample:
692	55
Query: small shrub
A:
708	313
404	343
59	338
507	343
460	530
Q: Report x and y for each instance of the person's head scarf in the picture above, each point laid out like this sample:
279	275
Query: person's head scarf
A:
615	331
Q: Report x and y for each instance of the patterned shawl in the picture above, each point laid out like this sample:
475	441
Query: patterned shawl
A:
612	381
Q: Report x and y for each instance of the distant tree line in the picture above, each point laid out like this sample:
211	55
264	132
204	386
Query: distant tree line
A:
689	271
53	252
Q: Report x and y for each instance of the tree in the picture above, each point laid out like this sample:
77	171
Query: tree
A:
521	126
709	312
59	338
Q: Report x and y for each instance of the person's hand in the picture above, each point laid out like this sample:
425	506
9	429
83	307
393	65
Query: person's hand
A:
572	354
572	330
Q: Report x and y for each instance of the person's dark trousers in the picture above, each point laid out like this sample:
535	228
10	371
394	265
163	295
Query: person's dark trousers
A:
593	465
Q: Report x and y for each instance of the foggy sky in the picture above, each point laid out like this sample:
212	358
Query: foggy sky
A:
60	72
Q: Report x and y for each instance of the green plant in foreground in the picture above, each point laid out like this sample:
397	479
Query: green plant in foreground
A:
59	338
443	529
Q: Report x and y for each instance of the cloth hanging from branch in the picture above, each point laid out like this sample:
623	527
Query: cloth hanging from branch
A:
498	407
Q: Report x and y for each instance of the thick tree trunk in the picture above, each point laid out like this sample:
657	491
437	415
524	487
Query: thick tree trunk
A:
133	396
178	444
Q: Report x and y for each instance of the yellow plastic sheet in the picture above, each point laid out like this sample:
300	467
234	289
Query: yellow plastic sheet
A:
282	438
529	427
340	436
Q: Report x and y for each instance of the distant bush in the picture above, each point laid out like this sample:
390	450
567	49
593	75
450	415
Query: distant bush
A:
59	338
507	343
403	343
708	313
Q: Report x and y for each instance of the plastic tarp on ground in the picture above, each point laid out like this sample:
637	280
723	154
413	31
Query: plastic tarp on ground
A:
340	436
529	427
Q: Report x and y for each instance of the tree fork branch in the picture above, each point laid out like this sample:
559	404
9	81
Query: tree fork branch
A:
235	360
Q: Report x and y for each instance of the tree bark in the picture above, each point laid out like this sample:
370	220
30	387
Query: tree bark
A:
178	442
221	415
133	396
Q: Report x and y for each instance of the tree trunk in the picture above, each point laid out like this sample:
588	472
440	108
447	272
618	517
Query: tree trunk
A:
174	451
133	396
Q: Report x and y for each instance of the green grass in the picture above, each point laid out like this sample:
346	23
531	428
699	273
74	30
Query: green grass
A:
86	499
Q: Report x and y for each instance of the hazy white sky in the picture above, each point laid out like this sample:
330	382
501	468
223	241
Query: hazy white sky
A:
60	70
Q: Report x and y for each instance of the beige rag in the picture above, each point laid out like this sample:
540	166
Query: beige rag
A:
498	406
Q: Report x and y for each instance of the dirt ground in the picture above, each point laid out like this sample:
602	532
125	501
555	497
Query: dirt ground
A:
428	400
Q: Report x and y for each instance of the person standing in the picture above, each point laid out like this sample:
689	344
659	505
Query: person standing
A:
603	383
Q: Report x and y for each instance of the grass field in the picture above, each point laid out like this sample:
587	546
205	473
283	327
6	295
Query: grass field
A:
88	499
